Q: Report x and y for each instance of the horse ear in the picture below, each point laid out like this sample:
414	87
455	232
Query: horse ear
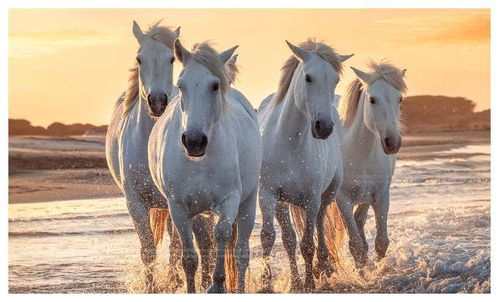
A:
403	72
364	77
299	53
181	53
137	32
225	56
233	59
177	31
343	58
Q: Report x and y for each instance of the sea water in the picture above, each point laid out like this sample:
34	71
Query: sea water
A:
439	229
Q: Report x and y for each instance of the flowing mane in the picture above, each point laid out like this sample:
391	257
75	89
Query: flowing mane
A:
325	51
156	32
383	70
204	54
232	69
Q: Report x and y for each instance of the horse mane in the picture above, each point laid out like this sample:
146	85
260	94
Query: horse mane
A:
232	69
325	51
383	70
156	32
206	55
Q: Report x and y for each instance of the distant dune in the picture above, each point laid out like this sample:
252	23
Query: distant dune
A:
24	127
426	113
421	113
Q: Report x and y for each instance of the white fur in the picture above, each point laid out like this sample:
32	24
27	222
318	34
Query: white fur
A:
224	181
298	168
368	168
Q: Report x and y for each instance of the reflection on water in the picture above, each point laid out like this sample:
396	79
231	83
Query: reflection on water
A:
439	227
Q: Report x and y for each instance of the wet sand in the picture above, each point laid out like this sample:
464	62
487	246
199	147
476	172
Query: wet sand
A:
51	168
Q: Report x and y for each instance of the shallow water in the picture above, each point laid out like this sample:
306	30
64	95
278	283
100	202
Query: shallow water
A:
439	228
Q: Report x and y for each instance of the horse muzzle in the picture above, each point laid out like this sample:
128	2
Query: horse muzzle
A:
391	145
194	143
157	103
322	129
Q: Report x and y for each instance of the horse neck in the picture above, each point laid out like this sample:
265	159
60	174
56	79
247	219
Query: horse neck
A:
365	140
293	123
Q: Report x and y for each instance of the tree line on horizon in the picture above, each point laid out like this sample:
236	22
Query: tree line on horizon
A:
421	113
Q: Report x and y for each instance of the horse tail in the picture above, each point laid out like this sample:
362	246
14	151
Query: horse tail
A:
334	233
230	262
334	229
157	222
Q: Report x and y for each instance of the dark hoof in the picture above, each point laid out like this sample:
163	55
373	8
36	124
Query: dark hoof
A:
309	287
174	281
323	267
266	279
216	289
205	282
296	286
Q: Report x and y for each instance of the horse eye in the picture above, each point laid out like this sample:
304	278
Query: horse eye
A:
308	78
138	60
372	100
214	86
172	60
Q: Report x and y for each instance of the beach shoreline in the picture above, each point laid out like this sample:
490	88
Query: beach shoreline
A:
65	168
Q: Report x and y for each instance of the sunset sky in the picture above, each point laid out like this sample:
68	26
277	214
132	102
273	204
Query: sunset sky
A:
71	65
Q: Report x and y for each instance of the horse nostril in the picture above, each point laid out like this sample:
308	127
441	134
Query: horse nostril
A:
388	142
317	125
183	140
204	141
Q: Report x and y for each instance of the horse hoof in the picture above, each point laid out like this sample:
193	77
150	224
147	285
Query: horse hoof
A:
323	268
216	289
309	288
205	282
296	287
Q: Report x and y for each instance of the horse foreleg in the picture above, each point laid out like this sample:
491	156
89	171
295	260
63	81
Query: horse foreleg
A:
289	241
245	223
189	257
223	231
381	215
267	203
175	249
140	218
360	219
307	244
323	261
356	244
203	232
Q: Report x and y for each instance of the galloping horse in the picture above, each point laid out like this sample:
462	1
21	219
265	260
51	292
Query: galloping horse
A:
149	92
302	163
370	112
205	156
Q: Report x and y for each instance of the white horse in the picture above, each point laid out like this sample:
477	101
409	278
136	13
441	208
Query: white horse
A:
370	112
205	156
302	163
146	98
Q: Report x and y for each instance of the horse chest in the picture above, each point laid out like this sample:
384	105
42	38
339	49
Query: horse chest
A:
299	174
200	184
